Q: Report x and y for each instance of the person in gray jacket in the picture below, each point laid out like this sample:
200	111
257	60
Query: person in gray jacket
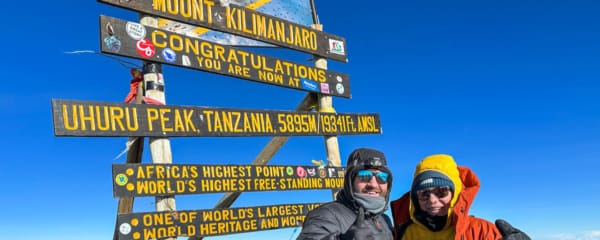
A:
357	212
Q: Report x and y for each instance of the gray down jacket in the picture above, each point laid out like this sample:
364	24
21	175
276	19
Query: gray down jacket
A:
332	220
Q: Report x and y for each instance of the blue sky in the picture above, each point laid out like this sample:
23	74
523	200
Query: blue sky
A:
509	88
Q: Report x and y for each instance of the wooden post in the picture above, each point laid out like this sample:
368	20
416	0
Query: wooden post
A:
332	147
134	155
160	148
307	104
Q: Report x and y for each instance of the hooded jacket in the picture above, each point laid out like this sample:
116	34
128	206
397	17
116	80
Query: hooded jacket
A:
459	225
331	220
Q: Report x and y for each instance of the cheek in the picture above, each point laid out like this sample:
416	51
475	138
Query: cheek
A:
358	186
447	199
422	205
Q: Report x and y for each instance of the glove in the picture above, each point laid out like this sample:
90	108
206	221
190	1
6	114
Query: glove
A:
509	232
359	229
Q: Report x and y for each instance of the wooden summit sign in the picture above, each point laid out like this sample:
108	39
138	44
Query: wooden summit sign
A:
211	222
130	39
86	118
243	22
133	180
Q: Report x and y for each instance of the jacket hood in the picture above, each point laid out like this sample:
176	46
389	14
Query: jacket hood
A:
402	208
443	166
464	224
361	159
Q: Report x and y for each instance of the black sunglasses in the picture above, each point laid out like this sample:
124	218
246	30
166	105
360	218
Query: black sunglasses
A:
439	192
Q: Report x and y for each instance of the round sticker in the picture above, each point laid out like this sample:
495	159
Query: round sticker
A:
145	48
125	228
113	43
339	88
289	171
338	78
135	30
121	179
300	172
169	55
322	173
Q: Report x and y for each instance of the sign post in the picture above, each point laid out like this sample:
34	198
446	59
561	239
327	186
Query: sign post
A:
106	119
152	44
160	147
134	155
243	22
183	179
211	222
326	105
162	179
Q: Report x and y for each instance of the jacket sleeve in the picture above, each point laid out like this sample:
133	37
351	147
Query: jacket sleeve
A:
320	224
482	229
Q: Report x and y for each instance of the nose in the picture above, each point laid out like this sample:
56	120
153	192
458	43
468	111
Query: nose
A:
373	180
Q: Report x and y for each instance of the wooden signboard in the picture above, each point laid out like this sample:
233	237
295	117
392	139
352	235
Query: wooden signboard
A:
134	40
132	180
211	222
243	22
86	118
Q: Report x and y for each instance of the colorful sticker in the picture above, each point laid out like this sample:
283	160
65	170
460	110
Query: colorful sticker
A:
311	172
322	173
169	55
324	87
135	30
121	179
339	88
309	85
289	171
300	172
145	48
336	46
113	43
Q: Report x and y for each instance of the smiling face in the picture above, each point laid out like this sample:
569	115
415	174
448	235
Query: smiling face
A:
435	200
368	183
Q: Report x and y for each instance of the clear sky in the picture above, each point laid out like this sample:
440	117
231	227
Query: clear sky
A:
509	88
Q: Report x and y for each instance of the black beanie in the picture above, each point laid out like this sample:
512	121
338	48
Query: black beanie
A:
429	179
368	158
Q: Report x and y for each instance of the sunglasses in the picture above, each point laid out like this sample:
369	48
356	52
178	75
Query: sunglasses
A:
366	175
439	192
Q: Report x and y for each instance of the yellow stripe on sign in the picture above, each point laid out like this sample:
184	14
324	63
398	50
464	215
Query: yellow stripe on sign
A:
200	30
162	22
257	4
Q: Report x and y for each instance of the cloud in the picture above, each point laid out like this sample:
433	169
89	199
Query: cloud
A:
588	235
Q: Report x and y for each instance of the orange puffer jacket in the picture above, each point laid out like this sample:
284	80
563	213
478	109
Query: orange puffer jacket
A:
465	227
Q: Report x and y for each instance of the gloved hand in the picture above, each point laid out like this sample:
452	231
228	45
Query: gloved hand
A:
359	229
509	232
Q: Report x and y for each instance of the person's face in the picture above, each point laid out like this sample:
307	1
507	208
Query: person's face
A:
435	200
371	182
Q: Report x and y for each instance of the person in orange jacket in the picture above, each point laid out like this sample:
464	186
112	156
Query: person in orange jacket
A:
437	205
